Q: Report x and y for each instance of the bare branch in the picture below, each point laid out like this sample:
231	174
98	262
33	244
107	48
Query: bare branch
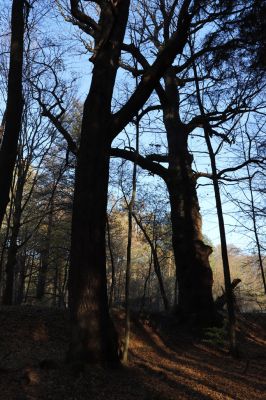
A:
152	75
143	162
83	19
244	164
72	146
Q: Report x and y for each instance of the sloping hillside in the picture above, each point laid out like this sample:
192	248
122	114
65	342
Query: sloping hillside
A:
165	363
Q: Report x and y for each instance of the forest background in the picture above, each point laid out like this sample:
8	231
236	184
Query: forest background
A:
35	235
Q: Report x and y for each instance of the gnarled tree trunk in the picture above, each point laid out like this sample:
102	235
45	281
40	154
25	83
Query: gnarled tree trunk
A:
194	274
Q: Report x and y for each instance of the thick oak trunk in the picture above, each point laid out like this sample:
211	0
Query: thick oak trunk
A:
94	338
194	274
93	335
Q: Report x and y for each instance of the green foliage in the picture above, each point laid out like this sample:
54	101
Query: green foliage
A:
216	336
253	33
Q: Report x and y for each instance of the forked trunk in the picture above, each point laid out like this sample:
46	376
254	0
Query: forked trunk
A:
194	275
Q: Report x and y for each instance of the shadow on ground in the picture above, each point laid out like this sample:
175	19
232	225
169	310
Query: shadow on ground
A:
164	364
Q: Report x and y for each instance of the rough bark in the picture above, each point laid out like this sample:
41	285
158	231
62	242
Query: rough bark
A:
194	274
93	335
87	276
14	106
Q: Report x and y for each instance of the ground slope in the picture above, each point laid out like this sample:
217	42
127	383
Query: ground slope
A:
165	363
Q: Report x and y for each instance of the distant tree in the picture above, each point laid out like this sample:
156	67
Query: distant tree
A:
96	341
156	262
254	217
226	268
130	207
31	150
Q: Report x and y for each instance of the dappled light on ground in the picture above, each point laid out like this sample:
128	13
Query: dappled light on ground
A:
195	370
165	364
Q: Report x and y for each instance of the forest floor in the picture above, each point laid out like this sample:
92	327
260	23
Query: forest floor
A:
166	363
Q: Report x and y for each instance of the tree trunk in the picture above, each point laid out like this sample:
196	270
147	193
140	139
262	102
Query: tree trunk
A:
256	234
143	299
113	283
10	266
193	272
128	271
221	300
4	244
45	256
14	107
55	285
8	295
156	263
226	268
29	270
131	206
94	338
21	279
